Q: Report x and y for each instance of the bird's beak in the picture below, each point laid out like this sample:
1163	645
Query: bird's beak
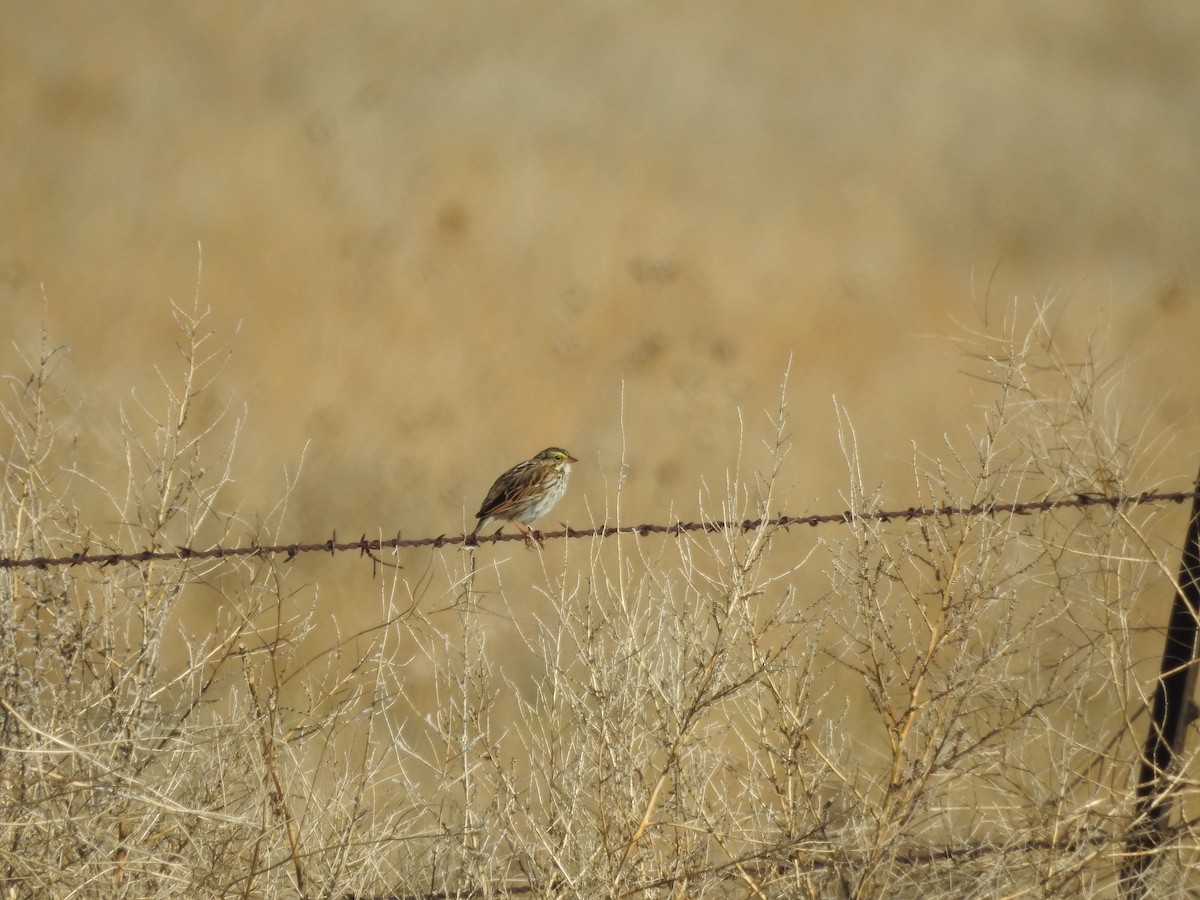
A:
571	459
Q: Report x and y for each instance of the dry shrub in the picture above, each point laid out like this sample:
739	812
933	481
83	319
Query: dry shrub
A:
945	705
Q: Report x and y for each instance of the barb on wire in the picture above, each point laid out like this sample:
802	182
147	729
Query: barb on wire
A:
367	546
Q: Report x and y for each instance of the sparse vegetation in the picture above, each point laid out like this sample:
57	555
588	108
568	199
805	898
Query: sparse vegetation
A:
938	707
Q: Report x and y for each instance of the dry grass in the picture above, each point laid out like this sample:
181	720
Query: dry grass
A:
905	709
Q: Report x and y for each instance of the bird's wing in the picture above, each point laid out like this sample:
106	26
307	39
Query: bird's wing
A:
509	490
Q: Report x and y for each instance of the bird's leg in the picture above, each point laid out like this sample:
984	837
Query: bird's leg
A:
530	536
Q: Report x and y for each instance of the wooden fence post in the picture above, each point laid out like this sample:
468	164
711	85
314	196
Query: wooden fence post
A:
1173	711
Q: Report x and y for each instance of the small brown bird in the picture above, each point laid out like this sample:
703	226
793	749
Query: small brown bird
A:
527	491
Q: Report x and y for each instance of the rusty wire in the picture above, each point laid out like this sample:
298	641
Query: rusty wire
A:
365	545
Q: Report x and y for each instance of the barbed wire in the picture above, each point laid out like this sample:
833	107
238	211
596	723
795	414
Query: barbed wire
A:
365	545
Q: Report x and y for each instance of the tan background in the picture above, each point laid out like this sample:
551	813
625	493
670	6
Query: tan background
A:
452	232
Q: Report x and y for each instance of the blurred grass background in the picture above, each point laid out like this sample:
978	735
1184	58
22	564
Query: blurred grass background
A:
451	233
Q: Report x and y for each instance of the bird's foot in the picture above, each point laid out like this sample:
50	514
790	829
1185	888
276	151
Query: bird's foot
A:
530	536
